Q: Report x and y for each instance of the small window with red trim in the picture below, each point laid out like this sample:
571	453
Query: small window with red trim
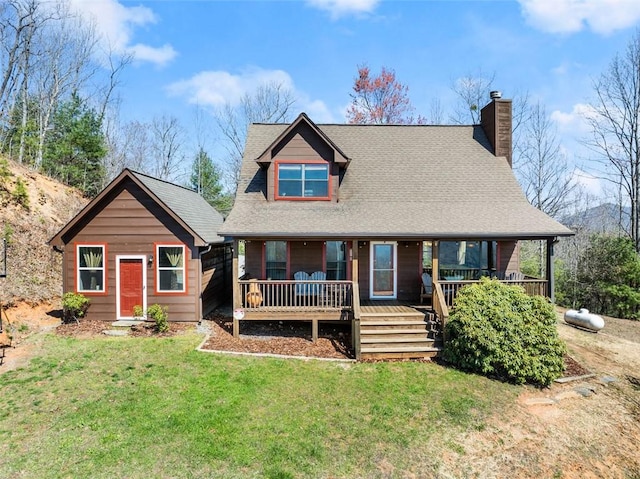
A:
90	264
170	277
303	180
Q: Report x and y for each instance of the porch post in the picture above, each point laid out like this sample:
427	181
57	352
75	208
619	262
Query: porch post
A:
550	275
355	324
354	261
435	264
237	300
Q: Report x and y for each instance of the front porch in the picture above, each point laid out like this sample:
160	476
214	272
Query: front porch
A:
382	327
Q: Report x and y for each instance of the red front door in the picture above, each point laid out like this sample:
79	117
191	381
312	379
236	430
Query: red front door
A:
131	287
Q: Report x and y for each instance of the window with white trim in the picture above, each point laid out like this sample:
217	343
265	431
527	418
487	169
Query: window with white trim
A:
90	264
170	269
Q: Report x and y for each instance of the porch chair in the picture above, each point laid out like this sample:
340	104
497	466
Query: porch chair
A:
317	289
302	289
426	287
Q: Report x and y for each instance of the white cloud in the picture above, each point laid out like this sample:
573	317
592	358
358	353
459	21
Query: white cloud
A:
341	8
215	88
571	16
116	23
575	120
590	183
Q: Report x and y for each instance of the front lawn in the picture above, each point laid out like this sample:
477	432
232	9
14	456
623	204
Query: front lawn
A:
143	407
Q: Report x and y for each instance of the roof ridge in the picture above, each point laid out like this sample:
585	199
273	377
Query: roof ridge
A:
138	173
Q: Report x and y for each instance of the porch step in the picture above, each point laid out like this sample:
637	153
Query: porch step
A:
400	352
394	330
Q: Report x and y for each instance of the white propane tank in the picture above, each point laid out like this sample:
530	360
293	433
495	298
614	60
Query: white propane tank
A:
584	319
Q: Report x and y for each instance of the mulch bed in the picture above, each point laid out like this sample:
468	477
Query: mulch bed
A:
88	328
573	368
288	338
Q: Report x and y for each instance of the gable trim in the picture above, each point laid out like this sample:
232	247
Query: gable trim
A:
265	158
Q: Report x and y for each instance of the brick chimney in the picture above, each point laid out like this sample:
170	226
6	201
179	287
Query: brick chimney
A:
496	121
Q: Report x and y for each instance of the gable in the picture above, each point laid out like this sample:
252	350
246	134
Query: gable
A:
174	206
305	138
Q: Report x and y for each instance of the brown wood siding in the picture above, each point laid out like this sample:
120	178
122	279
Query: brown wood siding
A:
307	258
508	256
253	259
216	277
129	222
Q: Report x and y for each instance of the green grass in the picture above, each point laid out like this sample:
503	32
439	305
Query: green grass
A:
141	408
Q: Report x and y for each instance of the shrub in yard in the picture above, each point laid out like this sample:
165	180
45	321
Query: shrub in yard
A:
159	314
498	330
74	306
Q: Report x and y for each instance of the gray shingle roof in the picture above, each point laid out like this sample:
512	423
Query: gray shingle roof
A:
188	205
403	181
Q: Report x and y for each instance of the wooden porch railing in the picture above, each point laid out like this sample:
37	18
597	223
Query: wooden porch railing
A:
440	307
287	295
531	286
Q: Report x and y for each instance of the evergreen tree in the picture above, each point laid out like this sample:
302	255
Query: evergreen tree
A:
75	147
206	180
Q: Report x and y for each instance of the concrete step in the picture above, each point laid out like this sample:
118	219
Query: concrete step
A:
121	323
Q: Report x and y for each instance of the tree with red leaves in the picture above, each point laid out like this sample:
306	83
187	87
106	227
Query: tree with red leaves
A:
380	99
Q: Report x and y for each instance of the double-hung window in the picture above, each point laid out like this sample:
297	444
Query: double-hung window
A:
303	180
276	259
171	269
90	263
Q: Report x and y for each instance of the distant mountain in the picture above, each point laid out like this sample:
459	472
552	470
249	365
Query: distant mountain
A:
604	218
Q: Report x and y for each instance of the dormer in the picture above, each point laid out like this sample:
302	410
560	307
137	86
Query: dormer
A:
303	164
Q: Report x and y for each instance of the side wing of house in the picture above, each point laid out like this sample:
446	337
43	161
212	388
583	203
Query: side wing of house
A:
126	250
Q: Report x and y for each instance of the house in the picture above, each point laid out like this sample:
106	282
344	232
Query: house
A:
145	241
339	223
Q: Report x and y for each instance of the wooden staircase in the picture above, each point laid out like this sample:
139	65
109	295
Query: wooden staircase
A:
405	334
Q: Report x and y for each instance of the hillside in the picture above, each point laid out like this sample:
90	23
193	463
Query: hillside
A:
33	208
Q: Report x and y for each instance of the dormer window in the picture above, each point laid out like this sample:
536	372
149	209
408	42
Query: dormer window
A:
307	181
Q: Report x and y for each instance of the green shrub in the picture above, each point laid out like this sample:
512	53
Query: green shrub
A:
138	312
74	306
159	314
498	330
20	194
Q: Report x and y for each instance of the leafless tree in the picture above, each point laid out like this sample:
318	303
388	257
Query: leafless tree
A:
167	137
615	126
543	170
472	91
269	103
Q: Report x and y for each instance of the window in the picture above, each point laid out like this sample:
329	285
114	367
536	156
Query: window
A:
170	277
467	259
276	259
336	260
303	180
90	263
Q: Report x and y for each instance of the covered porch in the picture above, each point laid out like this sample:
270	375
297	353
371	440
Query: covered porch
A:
345	280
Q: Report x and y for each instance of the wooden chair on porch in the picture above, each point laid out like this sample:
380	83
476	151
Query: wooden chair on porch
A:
426	288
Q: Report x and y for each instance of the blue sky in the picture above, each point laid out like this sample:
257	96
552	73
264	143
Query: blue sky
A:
191	54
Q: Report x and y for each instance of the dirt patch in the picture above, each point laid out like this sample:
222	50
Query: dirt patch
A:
289	338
